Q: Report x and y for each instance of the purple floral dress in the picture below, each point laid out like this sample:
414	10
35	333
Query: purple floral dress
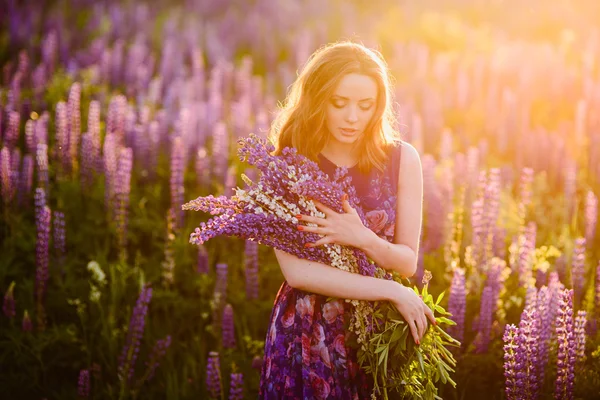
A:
306	356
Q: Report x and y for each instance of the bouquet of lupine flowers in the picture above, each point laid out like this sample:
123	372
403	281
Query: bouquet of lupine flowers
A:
265	211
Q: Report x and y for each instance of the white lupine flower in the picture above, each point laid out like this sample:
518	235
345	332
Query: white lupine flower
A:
95	293
97	274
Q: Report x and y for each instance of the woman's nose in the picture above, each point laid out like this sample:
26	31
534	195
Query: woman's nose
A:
352	115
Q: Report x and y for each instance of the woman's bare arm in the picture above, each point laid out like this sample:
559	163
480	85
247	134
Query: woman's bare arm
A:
329	281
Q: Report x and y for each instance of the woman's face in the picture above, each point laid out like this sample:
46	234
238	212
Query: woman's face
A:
350	109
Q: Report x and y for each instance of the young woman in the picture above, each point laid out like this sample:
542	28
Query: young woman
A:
338	113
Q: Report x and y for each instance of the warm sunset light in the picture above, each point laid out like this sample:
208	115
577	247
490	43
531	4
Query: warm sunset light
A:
300	199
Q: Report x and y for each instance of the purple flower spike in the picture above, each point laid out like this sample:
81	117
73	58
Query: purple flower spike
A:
485	320
202	267
158	352
221	284
578	269
59	236
213	375
9	302
134	335
580	336
565	374
251	264
83	385
27	326
529	339
591	216
513	363
457	303
228	329
236	387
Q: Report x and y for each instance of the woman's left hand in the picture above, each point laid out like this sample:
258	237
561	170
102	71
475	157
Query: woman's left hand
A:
344	229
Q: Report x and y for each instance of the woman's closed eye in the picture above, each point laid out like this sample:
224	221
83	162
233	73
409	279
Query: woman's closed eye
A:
342	104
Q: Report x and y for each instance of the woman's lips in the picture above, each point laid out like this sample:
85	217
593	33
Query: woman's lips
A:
348	132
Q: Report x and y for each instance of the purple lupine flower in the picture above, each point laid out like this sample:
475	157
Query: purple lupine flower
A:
491	212
111	150
478	223
26	326
514	370
9	302
213	375
30	139
221	283
485	320
220	150
169	263
11	135
93	130
62	137
42	274
228	327
26	181
59	236
41	159
134	335
432	199
457	303
176	182
202	266
525	191
251	269
580	336
530	335
74	125
598	288
158	352
570	185
545	328
591	216
230	181
15	170
6	175
526	253
87	161
122	190
83	383
578	269
555	288
565	375
236	386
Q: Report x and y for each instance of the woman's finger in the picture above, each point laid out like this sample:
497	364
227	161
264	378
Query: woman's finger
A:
421	328
326	210
325	240
425	324
430	315
310	220
314	229
413	331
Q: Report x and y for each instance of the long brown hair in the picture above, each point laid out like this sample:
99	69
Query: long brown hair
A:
301	120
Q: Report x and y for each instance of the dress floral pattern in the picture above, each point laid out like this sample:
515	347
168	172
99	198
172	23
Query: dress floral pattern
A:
306	356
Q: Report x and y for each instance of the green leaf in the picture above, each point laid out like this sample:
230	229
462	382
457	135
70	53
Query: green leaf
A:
383	355
396	335
420	357
439	299
441	310
445	320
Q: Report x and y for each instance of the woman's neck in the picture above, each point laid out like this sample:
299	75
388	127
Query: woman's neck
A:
342	156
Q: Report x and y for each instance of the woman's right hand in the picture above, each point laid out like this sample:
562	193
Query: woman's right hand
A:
414	311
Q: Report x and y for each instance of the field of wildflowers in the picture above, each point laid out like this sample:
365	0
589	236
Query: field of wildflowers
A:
115	113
